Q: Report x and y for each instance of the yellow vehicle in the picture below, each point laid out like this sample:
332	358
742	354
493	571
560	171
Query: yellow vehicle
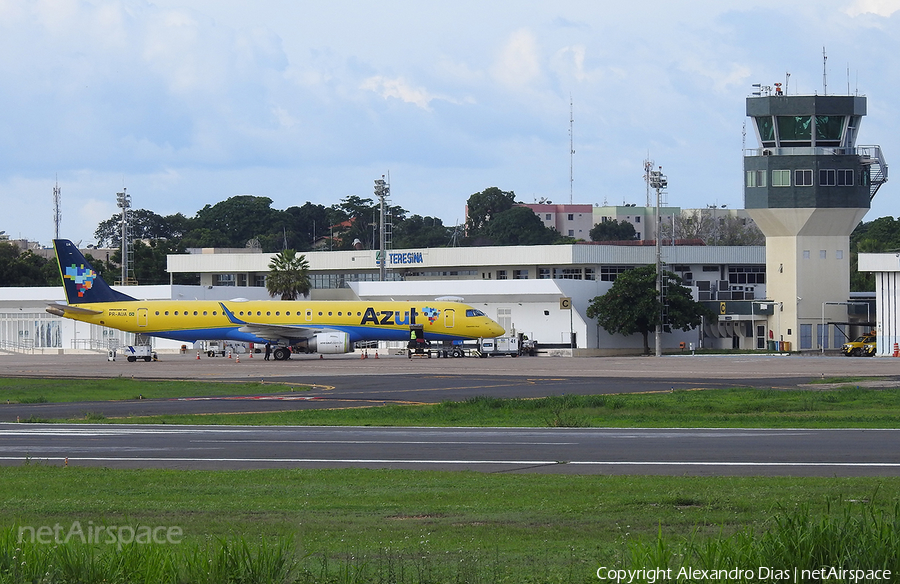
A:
864	346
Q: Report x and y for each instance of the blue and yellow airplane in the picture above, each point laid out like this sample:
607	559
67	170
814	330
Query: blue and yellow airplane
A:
324	326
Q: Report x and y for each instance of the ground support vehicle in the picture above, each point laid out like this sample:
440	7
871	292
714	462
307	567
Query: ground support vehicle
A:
454	349
499	346
142	352
418	345
863	346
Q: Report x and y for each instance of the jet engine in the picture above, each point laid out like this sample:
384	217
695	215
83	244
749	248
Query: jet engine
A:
330	343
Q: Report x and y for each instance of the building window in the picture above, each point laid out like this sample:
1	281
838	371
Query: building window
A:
547	217
806	254
822	336
590	274
827	177
567	274
504	318
845	178
259	280
501	274
520	274
571	233
225	280
543	273
637	219
823	254
806	336
571	217
781	178
839	254
747	274
756	178
610	273
803	178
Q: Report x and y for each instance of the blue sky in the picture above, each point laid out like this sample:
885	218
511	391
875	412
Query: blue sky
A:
189	102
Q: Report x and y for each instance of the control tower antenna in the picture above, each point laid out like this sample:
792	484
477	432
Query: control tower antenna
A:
571	148
57	210
824	73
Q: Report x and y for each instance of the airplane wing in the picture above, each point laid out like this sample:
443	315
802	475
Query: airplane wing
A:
271	331
274	331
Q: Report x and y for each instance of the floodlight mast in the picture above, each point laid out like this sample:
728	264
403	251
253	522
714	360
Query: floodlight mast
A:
123	201
658	181
382	190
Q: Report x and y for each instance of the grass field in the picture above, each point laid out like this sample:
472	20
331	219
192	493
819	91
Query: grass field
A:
30	390
431	526
848	406
427	527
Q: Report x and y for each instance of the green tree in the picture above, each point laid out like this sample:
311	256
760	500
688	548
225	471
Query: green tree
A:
518	226
632	305
288	275
237	220
306	224
144	225
613	231
25	268
877	236
418	231
484	206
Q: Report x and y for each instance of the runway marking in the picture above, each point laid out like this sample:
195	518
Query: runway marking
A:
456	462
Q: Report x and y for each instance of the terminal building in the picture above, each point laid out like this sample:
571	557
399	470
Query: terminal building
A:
521	287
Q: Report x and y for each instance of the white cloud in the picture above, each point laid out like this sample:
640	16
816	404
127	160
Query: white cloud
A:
884	8
518	64
400	89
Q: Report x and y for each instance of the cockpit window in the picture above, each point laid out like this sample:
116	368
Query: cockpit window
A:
474	312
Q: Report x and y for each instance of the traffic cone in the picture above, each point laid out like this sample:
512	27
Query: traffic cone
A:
238	359
376	353
198	355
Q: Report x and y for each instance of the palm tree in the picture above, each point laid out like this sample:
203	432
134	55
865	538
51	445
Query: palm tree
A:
288	275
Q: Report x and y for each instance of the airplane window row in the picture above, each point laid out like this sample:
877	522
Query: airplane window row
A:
258	313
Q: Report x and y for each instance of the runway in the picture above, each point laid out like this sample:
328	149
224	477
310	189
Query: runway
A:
347	381
781	452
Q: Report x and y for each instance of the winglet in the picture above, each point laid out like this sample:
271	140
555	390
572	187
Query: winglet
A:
83	285
230	315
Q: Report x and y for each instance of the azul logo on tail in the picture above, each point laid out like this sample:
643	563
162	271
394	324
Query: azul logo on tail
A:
82	277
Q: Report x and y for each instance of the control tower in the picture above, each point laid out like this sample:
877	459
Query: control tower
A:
807	186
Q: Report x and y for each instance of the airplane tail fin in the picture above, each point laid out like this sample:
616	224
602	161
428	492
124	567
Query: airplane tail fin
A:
83	285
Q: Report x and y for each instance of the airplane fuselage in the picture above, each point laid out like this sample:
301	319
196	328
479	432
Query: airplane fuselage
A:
193	320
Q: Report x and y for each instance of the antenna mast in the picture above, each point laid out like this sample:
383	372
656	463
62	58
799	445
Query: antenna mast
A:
571	148
57	210
824	72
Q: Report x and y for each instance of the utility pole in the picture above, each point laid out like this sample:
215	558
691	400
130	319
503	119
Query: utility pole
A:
658	181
